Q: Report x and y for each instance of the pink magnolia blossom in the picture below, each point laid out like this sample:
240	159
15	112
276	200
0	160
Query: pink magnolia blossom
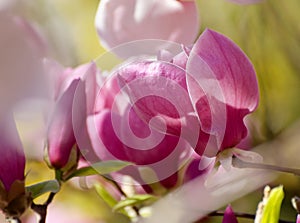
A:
120	21
73	91
229	216
116	132
298	219
206	102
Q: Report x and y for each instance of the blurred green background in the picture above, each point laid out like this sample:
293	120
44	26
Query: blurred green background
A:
268	32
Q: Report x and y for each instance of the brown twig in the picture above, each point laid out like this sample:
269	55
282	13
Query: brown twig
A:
41	209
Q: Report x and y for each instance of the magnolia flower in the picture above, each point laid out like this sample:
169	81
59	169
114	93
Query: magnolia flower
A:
120	21
116	132
202	94
298	219
73	92
13	198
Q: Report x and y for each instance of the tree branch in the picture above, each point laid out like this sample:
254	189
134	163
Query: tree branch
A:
41	209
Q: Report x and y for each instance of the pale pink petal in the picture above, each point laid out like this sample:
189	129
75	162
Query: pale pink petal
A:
56	75
79	72
121	21
20	62
224	188
91	87
164	55
108	93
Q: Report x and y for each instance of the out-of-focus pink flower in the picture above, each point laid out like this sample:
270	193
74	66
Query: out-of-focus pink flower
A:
121	21
229	216
74	92
205	103
20	62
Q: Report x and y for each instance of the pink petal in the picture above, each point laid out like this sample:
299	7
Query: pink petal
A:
164	95
121	21
105	142
221	73
56	75
79	72
60	136
128	138
91	87
229	216
133	142
108	93
12	159
198	167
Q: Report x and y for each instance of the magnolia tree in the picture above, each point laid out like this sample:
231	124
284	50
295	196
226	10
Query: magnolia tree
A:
158	124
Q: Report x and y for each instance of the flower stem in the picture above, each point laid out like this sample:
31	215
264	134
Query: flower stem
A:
243	164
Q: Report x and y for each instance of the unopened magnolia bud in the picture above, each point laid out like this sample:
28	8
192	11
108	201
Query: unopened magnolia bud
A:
13	198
